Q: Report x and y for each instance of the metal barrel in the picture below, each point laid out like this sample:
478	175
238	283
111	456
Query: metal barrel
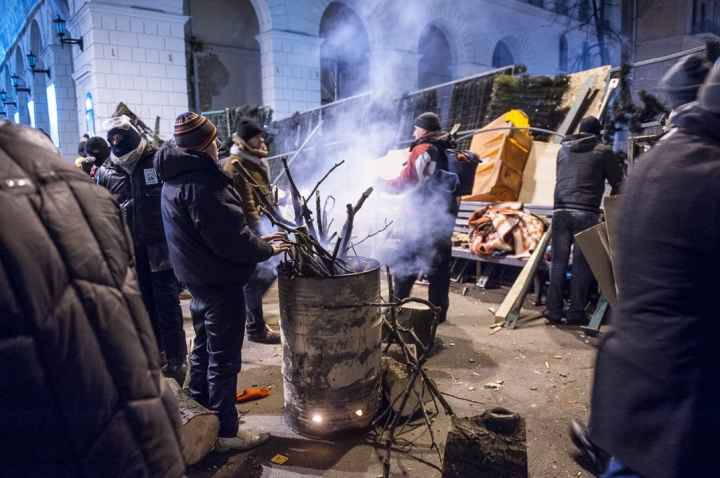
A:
332	364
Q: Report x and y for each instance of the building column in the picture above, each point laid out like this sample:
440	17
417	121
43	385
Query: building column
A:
131	55
59	60
393	72
290	65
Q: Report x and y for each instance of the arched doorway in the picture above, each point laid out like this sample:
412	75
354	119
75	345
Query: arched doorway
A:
435	65
227	53
344	64
502	56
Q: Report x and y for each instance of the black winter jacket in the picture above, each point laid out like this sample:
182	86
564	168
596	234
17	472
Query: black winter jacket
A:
138	195
81	392
655	403
208	237
583	165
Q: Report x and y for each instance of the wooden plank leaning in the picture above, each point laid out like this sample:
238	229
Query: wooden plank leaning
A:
509	310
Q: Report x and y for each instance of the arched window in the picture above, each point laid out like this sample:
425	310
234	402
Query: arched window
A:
563	66
502	56
31	112
51	95
344	64
89	115
585	59
435	65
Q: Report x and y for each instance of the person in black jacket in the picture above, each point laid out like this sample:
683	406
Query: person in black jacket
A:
98	152
130	176
81	392
583	165
655	405
430	215
82	152
214	253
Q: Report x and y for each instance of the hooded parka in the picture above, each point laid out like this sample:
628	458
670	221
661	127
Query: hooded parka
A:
209	239
81	392
655	403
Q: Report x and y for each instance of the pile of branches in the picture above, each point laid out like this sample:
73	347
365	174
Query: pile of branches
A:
315	252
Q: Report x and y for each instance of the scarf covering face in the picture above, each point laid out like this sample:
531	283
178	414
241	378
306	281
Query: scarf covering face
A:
257	156
127	162
130	135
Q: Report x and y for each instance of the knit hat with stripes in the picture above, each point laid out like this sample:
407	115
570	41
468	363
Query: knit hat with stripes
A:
194	131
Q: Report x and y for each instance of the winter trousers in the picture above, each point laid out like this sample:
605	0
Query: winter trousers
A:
160	291
565	224
436	259
258	284
218	315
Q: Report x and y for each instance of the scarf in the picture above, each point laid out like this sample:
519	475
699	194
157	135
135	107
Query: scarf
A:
127	162
257	156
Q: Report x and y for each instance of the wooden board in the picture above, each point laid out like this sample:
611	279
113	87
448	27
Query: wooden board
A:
538	182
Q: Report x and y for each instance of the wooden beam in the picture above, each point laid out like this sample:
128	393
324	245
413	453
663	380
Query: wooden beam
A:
509	310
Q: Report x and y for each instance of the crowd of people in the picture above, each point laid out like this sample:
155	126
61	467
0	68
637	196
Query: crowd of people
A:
90	279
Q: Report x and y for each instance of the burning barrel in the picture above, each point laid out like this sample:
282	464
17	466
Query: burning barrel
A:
332	367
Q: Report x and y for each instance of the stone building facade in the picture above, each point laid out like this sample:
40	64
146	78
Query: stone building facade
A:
167	56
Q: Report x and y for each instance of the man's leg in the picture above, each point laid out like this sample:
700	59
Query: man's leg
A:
582	275
258	284
166	290
225	326
615	469
561	241
199	357
144	274
439	276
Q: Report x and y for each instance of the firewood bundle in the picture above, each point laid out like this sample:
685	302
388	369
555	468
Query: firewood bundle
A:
315	252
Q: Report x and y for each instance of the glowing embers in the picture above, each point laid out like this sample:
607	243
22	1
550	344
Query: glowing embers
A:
359	413
317	418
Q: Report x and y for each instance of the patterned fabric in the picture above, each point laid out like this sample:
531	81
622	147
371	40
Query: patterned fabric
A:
194	131
504	229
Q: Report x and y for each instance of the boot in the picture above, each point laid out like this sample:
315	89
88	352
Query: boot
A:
244	440
176	369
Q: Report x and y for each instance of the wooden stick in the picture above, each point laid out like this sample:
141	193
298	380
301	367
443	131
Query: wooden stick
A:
294	193
319	217
324	177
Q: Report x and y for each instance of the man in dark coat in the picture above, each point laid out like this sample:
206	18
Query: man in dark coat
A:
81	393
583	165
214	253
98	152
82	146
655	405
130	176
430	215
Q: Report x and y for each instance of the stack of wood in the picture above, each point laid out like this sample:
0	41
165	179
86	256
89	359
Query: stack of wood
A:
311	255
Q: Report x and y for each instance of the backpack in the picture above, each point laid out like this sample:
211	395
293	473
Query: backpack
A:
459	177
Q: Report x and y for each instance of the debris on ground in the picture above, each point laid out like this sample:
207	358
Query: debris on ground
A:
279	459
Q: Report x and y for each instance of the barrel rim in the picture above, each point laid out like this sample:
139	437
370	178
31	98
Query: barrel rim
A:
374	268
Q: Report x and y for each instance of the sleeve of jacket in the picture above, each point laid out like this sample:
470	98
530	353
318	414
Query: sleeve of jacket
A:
245	191
412	174
217	214
613	171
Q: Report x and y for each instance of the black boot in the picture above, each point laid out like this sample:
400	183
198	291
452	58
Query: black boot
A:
579	435
176	369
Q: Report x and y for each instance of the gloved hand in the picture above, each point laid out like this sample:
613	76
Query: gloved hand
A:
87	164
